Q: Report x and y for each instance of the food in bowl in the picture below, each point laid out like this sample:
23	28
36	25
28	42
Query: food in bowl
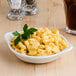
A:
38	41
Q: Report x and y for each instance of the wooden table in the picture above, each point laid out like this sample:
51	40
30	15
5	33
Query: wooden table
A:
51	15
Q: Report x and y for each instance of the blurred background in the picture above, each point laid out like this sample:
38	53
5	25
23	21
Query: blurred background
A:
51	14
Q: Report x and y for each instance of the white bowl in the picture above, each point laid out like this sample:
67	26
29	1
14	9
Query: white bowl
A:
34	59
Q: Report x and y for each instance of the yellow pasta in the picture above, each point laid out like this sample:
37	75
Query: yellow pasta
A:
42	43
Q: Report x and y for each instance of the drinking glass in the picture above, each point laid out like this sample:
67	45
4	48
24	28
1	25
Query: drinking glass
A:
16	11
30	7
70	11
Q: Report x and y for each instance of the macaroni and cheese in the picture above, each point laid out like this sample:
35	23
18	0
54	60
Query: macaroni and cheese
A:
42	43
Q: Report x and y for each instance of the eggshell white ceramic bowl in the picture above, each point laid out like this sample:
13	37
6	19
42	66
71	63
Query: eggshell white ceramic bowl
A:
34	59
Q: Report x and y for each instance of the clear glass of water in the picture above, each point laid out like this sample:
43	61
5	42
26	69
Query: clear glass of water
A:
16	11
30	7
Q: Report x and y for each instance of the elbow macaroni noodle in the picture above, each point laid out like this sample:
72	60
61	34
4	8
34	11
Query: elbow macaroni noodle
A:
42	43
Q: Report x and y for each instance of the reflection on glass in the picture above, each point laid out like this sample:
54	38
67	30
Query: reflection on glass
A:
16	10
30	7
70	11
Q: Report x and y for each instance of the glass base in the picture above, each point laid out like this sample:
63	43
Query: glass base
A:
35	11
70	31
14	16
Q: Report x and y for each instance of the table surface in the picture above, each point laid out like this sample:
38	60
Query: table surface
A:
51	15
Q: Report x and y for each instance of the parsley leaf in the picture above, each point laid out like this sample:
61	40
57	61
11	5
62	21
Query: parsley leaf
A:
16	33
25	27
24	36
17	40
28	36
32	30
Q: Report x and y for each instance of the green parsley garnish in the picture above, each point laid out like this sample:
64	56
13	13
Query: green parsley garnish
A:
25	35
16	33
17	40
